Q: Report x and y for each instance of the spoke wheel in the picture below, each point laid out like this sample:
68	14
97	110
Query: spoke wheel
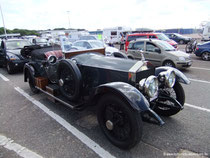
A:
205	56
31	83
177	93
120	124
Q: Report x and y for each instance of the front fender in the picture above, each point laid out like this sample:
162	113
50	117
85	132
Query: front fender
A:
179	75
28	68
132	95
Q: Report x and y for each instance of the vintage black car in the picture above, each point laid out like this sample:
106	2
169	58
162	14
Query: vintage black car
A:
125	91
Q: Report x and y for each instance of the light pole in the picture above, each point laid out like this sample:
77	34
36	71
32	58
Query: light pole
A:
3	22
68	18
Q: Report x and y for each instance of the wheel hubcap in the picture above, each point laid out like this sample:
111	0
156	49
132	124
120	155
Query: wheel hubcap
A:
109	125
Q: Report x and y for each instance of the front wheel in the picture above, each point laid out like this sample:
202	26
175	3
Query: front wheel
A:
31	83
169	63
9	68
119	122
177	92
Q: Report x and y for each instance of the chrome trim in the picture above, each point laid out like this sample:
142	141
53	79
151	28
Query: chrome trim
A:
136	67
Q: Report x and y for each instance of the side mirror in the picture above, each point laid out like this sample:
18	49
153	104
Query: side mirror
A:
157	50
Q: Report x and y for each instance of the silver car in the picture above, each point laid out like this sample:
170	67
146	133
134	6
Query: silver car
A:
158	53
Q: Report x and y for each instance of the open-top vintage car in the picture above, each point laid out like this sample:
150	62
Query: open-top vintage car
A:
125	91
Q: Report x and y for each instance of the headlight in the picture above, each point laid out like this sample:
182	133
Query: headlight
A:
168	77
181	58
13	57
149	86
52	59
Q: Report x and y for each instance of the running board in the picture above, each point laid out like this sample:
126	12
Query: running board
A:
56	98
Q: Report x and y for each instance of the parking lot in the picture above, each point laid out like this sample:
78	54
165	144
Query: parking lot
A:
32	125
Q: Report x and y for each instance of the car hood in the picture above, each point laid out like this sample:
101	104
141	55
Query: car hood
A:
179	54
15	52
101	61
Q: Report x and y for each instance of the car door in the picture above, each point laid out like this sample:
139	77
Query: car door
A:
135	51
153	54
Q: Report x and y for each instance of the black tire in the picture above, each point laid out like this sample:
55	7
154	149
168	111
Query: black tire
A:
70	74
10	70
181	42
130	57
179	95
168	63
126	123
205	56
31	83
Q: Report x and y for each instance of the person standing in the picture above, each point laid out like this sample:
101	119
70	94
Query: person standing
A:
122	42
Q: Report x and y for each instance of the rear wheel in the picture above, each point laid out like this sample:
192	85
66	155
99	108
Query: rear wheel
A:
205	56
130	57
181	42
120	124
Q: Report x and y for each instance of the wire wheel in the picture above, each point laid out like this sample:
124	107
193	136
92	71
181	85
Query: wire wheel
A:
120	124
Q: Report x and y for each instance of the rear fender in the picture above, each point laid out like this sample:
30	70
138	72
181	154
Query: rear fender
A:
28	69
133	96
179	75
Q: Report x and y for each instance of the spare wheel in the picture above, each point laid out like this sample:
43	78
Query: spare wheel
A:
69	79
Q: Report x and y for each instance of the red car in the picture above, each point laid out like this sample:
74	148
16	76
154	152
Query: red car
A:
159	36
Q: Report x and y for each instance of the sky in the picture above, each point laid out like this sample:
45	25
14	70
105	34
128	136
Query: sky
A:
99	14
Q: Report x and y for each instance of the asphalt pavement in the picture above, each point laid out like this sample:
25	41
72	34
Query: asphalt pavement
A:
41	128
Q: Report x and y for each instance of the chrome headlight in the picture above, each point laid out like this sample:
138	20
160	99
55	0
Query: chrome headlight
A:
149	86
52	59
169	77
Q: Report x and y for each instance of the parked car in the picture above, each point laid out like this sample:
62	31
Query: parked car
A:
159	36
10	55
179	38
158	53
203	51
40	41
94	44
124	91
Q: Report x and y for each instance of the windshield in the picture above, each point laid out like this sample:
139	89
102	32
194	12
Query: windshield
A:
17	44
96	44
163	37
164	45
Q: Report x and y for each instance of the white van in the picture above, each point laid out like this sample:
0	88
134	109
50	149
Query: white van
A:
114	34
206	32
